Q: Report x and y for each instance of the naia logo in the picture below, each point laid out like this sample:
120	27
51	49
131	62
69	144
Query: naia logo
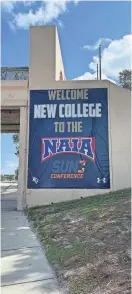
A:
82	145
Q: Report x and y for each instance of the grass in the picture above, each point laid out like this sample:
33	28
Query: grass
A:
88	242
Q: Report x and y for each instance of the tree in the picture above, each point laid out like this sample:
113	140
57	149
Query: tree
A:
125	78
16	174
16	143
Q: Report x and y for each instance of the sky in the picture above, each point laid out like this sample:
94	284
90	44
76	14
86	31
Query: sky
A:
82	26
9	161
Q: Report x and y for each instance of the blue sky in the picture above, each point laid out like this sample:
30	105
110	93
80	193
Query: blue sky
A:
81	26
9	161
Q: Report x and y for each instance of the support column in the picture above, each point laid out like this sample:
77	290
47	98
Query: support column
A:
42	69
22	159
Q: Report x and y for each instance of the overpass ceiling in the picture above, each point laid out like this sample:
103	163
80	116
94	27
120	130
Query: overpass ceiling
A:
10	120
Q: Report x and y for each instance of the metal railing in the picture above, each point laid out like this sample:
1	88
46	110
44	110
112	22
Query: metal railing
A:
14	73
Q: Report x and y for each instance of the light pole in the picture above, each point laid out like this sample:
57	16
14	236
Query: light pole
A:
100	60
97	72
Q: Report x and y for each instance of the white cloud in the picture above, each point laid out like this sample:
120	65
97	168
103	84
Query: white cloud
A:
116	57
96	45
47	11
8	6
93	76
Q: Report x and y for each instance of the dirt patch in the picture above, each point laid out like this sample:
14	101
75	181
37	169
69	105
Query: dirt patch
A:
88	242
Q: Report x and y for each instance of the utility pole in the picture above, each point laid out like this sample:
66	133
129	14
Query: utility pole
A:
100	60
97	72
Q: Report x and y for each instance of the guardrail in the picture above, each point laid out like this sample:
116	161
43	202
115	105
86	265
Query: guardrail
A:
14	73
4	189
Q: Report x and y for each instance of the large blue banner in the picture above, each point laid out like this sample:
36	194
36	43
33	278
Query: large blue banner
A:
68	139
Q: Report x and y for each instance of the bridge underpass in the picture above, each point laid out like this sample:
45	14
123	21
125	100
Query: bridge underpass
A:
14	90
10	120
10	123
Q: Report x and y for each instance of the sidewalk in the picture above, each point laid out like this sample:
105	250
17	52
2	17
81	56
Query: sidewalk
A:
25	268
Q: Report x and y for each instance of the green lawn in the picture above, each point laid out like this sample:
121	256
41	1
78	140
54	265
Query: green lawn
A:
88	242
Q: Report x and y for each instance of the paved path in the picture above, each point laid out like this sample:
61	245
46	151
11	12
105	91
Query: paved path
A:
25	269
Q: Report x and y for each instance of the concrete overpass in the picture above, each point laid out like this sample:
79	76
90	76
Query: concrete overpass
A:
13	96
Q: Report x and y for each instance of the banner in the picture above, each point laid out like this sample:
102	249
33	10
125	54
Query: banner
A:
68	139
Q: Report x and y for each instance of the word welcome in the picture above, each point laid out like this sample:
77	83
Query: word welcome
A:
67	110
68	94
54	146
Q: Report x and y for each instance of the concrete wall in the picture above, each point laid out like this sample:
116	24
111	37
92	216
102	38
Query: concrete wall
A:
119	149
42	55
21	201
42	61
45	59
120	129
14	94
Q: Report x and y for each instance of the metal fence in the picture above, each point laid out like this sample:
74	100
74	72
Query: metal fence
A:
14	73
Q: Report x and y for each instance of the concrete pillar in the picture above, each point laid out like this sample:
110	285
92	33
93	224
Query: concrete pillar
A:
46	62
42	55
21	201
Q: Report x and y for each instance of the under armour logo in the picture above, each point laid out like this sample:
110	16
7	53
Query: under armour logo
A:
99	180
104	180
